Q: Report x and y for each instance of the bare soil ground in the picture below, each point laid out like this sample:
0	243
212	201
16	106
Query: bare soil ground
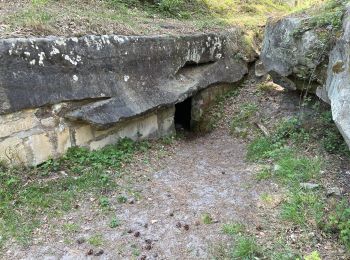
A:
170	190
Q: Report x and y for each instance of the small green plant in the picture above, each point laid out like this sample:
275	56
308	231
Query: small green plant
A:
95	240
134	250
207	219
114	223
71	227
267	198
313	256
339	223
303	208
104	202
122	199
246	248
233	228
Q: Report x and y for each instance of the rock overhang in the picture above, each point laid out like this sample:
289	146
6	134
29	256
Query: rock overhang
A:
132	75
57	93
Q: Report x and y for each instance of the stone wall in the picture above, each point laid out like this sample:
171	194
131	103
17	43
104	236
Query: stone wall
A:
31	137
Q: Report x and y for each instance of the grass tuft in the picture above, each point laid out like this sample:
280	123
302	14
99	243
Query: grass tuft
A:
246	248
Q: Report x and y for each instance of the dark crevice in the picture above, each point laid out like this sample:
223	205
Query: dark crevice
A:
183	112
191	65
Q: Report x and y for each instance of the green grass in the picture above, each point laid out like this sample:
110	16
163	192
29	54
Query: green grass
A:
49	17
290	166
246	248
233	229
71	228
293	169
303	208
339	222
263	174
95	240
207	219
27	195
329	14
313	256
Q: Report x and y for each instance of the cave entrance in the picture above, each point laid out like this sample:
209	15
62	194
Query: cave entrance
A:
183	112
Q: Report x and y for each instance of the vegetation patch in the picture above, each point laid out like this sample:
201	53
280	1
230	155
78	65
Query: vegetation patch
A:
240	124
49	17
215	113
27	195
290	165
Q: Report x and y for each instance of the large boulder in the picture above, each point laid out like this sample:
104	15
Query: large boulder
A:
298	56
337	89
294	54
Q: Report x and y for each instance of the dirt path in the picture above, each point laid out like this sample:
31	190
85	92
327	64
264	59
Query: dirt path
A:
203	175
168	192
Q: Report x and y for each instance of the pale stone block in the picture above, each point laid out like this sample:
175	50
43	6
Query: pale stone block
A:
148	126
129	129
14	123
49	122
83	135
42	148
166	124
12	151
63	140
111	139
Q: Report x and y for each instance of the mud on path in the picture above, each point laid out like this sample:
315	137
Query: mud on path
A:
169	190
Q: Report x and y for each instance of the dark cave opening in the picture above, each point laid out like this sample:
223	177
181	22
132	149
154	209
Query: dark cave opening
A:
183	112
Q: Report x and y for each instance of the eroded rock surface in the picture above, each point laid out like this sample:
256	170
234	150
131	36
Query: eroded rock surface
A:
135	74
301	57
294	54
56	93
337	88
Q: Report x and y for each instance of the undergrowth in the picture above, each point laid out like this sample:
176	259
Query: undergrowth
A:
26	195
290	166
213	114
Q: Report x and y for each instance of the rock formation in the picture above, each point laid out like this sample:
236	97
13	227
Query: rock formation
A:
60	92
303	58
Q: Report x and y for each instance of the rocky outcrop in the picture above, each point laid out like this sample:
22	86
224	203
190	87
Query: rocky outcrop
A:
123	76
303	57
337	89
56	92
295	55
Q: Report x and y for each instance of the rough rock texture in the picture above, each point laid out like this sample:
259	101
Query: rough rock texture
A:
56	93
337	88
294	56
134	74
